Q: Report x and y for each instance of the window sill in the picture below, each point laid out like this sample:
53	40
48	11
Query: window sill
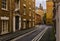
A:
4	9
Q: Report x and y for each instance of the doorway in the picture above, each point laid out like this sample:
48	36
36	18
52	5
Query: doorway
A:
17	22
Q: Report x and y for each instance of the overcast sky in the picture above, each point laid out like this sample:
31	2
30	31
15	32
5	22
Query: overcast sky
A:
43	2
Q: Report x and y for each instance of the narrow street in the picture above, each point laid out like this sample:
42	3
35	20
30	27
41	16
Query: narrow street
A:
29	20
34	35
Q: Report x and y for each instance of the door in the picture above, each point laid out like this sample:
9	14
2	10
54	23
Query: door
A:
17	22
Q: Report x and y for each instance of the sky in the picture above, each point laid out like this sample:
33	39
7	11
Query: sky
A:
43	2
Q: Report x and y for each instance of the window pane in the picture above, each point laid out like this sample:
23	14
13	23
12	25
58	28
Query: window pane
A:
4	4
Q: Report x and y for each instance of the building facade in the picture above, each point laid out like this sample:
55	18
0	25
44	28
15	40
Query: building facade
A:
37	19
57	18
6	16
16	15
40	12
28	15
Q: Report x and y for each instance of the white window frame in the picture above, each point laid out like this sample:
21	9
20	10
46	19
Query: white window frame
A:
24	5
6	6
24	12
6	28
19	23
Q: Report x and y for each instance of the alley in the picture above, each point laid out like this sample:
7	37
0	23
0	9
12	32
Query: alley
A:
29	20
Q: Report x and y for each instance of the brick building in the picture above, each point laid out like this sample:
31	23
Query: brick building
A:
28	13
16	15
6	16
37	19
40	13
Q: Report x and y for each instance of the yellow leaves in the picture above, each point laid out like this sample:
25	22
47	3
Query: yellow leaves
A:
49	14
49	5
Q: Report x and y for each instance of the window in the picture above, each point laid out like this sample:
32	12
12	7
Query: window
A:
4	26
33	0
33	19
24	25
29	3
17	4
24	19
33	5
33	16
24	5
24	13
29	24
29	13
33	23
24	10
29	19
17	1
4	3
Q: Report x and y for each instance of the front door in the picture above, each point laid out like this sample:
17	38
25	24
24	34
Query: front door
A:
17	22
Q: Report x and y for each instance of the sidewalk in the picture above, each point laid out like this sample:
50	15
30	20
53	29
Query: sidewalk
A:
15	34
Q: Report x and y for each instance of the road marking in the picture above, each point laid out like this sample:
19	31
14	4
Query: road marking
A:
23	35
39	36
42	35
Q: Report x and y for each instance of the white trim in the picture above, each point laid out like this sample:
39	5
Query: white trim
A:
24	5
13	23
24	19
19	23
14	29
6	6
4	9
5	18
